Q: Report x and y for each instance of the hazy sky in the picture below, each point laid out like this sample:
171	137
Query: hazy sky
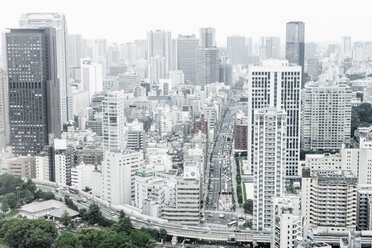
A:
126	20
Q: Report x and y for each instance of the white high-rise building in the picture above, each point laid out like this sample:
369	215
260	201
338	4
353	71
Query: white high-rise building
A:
57	21
269	157
91	77
81	176
359	161
42	167
118	176
277	84
237	50
128	81
346	46
326	116
329	200
74	50
113	122
4	110
186	47
287	222
159	43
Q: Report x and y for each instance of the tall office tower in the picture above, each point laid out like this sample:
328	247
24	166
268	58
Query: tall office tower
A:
249	47
91	77
287	222
269	48
141	49
157	69
311	50
277	84
358	51
159	44
99	49
118	176
295	45
313	68
34	106
186	48
269	157
329	200
4	110
57	21
207	70
113	122
74	50
207	37
113	55
128	53
325	116
237	50
346	46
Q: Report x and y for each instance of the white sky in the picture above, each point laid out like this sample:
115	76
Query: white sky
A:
126	20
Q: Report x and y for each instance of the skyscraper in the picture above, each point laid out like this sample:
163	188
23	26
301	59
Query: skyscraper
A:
74	50
295	45
326	116
57	21
113	122
269	156
91	77
34	106
277	84
269	48
4	109
159	44
346	46
186	48
237	49
207	70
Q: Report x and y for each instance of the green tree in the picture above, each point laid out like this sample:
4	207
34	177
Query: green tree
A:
248	206
94	214
67	240
39	194
4	206
11	199
141	239
9	183
92	237
361	116
48	195
28	233
65	218
163	234
119	240
123	225
28	196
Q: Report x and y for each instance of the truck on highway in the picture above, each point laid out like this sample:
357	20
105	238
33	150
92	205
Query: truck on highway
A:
73	190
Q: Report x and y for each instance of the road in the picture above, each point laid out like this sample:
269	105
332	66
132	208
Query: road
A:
138	221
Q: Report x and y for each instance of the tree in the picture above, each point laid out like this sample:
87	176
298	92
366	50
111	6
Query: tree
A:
10	199
38	233
361	116
141	239
92	237
39	194
65	218
123	225
117	240
9	183
28	196
163	234
4	206
248	206
70	203
48	195
94	214
67	240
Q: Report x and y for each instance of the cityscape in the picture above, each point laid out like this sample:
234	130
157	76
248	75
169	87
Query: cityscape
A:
175	139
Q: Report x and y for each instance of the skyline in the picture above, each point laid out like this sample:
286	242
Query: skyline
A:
226	19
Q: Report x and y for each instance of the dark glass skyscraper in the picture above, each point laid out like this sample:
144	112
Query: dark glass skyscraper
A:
34	111
295	45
